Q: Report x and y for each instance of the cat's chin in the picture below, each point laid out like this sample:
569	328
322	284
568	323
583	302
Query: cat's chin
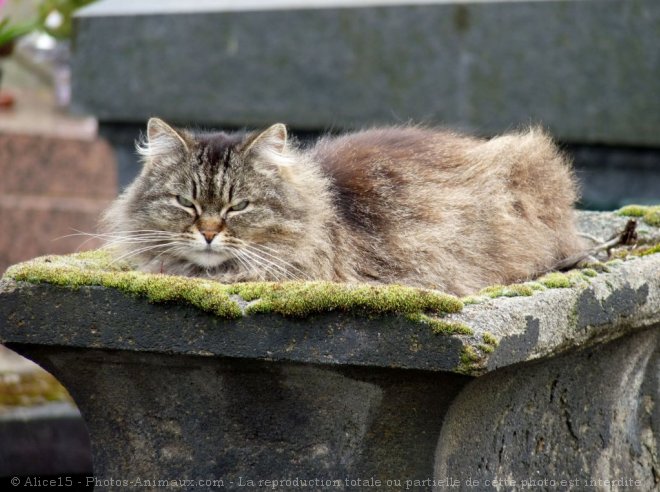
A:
208	259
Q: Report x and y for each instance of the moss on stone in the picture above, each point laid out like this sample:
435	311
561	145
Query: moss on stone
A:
596	266
554	280
518	290
536	286
304	298
577	277
74	271
469	361
292	299
487	349
649	214
627	254
652	216
632	211
562	280
492	291
513	290
474	299
490	343
441	326
490	339
648	251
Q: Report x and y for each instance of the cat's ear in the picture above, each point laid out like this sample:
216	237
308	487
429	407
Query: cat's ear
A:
271	146
161	141
273	139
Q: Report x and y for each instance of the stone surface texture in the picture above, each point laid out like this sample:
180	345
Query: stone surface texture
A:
200	417
589	74
592	414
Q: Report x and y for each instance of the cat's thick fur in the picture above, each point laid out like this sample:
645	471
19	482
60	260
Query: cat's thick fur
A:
392	205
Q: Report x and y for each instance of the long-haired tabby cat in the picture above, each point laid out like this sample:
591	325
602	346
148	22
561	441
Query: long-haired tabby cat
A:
391	205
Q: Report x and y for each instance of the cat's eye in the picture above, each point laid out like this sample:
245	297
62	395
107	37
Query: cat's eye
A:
184	201
239	206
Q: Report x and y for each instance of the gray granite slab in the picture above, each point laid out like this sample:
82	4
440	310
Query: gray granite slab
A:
587	70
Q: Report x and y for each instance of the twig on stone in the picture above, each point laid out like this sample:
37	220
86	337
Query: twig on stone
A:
624	238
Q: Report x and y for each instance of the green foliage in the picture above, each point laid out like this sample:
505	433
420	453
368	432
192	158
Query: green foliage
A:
64	10
10	32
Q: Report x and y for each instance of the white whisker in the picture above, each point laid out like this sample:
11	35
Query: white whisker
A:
144	249
266	263
246	262
252	259
274	258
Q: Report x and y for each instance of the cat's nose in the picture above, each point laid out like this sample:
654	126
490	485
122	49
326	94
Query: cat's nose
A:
209	235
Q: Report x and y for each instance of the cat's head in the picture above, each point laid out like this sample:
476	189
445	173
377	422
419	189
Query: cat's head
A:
213	200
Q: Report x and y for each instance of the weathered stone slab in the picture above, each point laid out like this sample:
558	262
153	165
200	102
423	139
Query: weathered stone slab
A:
502	326
587	71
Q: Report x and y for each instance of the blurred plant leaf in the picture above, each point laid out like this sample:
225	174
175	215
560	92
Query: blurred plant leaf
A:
10	32
56	16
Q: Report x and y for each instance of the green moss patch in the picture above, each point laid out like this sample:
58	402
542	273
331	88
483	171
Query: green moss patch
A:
441	326
513	290
305	298
490	339
552	280
649	214
470	361
632	211
648	251
555	280
97	268
624	254
473	300
559	280
589	272
490	343
291	299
